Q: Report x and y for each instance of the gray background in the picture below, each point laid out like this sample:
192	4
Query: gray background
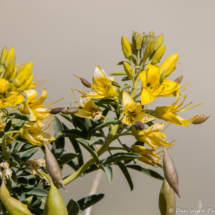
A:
67	37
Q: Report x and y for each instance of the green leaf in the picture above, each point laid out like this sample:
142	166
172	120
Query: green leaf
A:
37	192
126	79
92	168
73	164
16	158
27	146
28	154
149	172
124	87
95	140
120	156
59	143
73	207
85	144
22	181
88	201
126	174
65	158
8	126
121	62
17	115
108	171
73	133
19	125
118	73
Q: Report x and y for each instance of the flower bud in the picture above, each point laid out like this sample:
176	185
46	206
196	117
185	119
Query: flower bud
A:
158	54
167	203
53	167
10	56
3	55
85	82
70	110
9	70
148	51
170	172
24	74
56	110
128	70
27	83
144	39
138	41
15	72
126	47
158	42
133	37
139	125
200	120
169	64
54	203
179	79
12	205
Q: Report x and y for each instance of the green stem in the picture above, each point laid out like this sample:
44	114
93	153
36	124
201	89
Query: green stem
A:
124	134
116	148
14	109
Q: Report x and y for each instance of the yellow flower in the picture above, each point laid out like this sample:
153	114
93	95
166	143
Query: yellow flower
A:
90	110
148	156
9	96
133	111
152	87
32	132
102	85
151	136
169	112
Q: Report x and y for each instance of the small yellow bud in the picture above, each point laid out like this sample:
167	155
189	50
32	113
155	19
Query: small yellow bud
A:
3	55
126	47
15	72
9	70
148	51
158	54
27	83
133	37
24	74
138	41
10	56
169	64
128	70
144	39
159	41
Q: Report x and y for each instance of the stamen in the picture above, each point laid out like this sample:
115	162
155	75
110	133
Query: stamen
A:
185	85
184	90
77	77
191	107
75	97
40	83
166	127
54	102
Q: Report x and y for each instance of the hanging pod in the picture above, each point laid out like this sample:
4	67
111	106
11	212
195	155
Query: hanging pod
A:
12	205
53	168
167	204
54	203
170	172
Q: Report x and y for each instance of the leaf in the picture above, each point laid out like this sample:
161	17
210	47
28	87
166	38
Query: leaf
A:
149	172
28	154
98	127
85	144
73	164
65	158
88	201
8	126
16	158
95	140
26	147
126	78
17	115
121	62
108	171
73	133
126	174
79	122
92	168
73	207
120	156
124	87
22	181
19	125
118	73
37	192
59	143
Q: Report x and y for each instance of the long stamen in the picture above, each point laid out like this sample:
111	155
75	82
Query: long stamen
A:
191	107
77	77
185	85
184	90
75	97
42	82
54	102
166	127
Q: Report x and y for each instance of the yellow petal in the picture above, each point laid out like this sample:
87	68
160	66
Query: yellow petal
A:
147	97
128	101
31	95
100	77
41	99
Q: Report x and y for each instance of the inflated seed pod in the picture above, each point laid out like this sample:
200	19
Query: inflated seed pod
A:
179	79
167	204
54	203
86	83
70	110
170	171
139	125
12	205
56	110
53	167
200	120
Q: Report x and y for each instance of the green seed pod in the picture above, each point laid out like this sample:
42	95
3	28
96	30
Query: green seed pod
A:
139	125
12	205
53	168
128	70
54	203
9	70
179	79
56	110
85	83
70	110
158	42
3	55
167	204
23	75
138	41
158	54
126	47
200	120
170	172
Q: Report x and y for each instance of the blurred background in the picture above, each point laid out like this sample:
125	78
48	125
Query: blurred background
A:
63	38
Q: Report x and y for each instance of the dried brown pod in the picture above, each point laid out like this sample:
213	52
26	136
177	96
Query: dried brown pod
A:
200	120
179	79
70	110
139	125
53	167
56	110
170	172
85	82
